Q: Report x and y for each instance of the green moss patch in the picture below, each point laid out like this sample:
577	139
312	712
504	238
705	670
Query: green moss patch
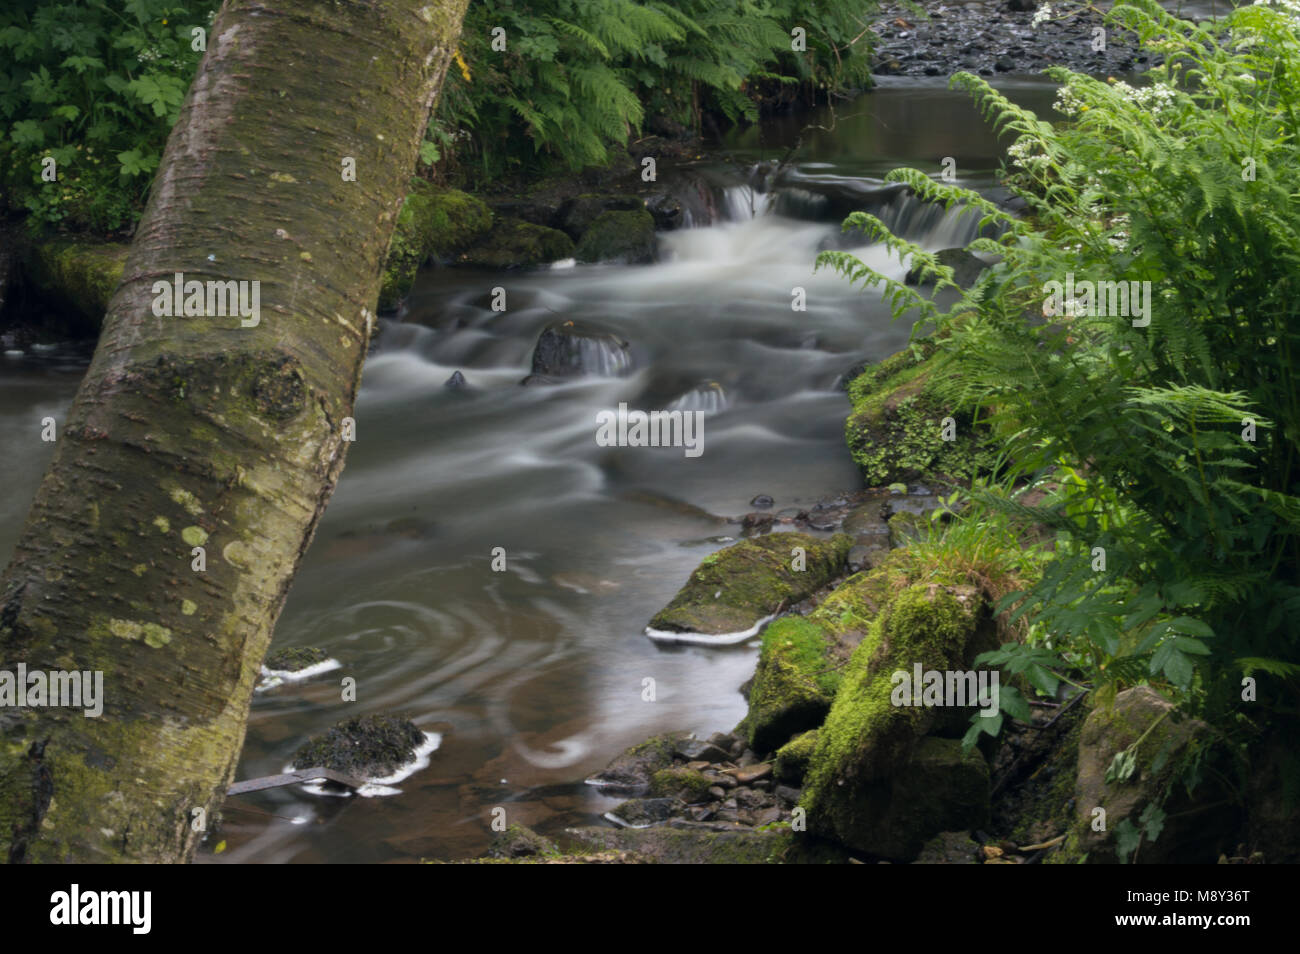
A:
896	429
372	746
432	222
867	743
618	237
792	759
733	589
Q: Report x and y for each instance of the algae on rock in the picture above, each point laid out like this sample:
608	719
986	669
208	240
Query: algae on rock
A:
869	749
732	590
627	237
433	222
902	428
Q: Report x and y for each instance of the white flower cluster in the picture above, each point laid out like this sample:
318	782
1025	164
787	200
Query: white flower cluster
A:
1154	98
1119	241
1067	103
1041	15
1022	155
1290	6
149	55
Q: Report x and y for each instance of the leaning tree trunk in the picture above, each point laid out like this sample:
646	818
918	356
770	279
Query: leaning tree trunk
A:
207	431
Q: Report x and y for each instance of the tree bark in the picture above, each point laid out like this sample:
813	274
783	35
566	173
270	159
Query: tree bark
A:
201	431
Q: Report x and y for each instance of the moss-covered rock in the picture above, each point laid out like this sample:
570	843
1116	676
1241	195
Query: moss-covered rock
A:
792	759
79	274
1196	828
700	846
578	214
432	222
896	431
520	842
295	658
794	683
904	527
867	750
680	782
632	771
733	589
965	266
618	237
373	746
513	243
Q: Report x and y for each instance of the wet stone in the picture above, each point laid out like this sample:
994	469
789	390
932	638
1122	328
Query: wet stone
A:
698	751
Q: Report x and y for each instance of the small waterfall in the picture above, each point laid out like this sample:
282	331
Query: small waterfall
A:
603	356
930	224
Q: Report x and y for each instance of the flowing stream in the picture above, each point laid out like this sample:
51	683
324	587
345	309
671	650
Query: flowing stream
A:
535	675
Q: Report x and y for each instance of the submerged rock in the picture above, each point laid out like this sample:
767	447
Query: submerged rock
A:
627	237
567	350
732	591
373	746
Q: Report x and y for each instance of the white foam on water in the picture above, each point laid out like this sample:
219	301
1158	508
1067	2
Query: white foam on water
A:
278	677
611	817
708	639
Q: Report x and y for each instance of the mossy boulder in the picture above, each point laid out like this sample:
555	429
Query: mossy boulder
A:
295	658
701	846
578	214
733	589
373	746
899	429
791	764
870	750
433	222
627	237
520	842
965	266
794	683
78	274
632	771
1196	828
802	660
514	243
680	782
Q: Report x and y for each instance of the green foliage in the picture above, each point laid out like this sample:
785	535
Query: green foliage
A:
1176	556
579	76
96	86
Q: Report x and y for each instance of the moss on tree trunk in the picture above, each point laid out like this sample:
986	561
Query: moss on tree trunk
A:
198	431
